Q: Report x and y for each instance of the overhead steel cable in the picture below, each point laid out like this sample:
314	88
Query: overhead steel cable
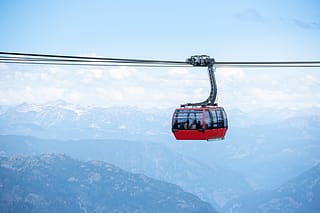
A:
23	60
91	64
269	64
116	60
14	59
49	59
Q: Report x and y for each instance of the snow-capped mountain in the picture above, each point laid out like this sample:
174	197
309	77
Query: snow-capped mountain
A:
61	120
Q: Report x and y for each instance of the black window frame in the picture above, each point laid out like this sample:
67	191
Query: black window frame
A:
184	119
219	118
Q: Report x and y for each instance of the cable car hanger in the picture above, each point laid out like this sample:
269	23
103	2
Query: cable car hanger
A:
192	121
205	61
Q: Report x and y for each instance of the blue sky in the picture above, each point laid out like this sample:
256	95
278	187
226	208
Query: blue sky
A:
225	30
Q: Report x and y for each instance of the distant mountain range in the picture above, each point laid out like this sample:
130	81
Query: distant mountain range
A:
61	120
57	183
300	194
213	183
262	149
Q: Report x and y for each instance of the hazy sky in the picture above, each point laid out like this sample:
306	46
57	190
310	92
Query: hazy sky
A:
173	30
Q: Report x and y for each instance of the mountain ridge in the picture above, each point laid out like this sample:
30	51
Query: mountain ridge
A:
58	183
299	194
213	184
254	142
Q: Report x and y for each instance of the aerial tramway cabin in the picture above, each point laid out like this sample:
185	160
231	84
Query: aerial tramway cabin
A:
199	123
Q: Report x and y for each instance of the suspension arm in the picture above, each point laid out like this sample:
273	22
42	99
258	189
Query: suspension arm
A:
205	61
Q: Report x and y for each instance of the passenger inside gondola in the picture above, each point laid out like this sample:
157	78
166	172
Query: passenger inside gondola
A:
199	124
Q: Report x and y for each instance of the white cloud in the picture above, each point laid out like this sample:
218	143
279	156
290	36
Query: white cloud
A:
3	66
250	89
97	73
230	74
270	96
311	80
50	93
137	92
159	87
179	71
74	96
121	73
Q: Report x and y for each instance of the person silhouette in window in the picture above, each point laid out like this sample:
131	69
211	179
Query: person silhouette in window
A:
194	124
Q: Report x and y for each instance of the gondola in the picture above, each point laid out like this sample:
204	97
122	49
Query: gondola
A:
201	121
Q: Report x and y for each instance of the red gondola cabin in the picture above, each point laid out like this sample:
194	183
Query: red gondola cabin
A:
199	123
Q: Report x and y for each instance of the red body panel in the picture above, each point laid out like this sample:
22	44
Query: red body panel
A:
200	135
203	133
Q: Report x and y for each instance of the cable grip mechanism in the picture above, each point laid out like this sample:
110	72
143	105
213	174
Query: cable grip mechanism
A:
204	61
